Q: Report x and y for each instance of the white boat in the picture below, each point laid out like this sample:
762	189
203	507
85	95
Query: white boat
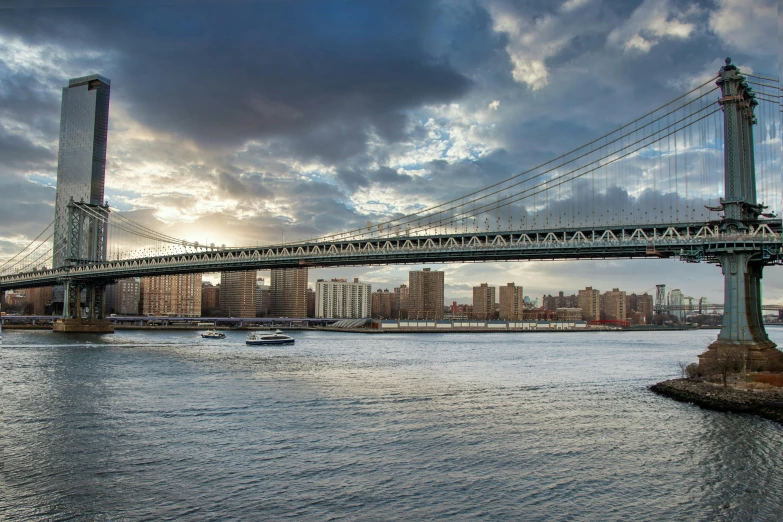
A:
276	337
213	334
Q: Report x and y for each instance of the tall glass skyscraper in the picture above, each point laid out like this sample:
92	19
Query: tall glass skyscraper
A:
81	160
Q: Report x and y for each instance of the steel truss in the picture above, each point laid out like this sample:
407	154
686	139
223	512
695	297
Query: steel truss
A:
688	242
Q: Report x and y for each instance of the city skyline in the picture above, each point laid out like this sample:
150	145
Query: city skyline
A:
263	163
465	289
240	294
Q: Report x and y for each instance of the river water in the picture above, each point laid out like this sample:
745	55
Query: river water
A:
497	426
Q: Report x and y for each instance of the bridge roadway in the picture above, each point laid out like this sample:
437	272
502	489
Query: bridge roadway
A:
693	242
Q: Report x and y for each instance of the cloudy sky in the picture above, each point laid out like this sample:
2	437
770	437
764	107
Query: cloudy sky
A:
240	122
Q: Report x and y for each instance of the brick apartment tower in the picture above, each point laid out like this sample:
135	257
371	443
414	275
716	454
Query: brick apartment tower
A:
210	297
175	294
401	302
512	302
383	303
483	301
425	299
238	293
614	308
288	292
590	303
122	297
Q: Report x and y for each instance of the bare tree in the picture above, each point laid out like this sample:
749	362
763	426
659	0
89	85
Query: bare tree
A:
690	370
729	360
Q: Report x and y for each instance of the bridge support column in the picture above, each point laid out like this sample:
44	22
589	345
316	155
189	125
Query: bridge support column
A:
742	334
72	320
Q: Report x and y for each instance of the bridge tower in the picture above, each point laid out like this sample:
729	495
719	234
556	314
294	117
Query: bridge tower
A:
660	299
741	262
85	243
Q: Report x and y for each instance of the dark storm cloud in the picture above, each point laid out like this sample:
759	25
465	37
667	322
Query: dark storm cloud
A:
21	203
355	178
446	180
385	175
19	152
246	186
352	179
321	73
24	97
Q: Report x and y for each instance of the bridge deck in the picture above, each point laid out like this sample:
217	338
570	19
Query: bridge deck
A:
691	242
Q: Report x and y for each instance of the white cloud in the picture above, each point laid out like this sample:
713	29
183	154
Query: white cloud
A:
572	5
454	132
651	22
747	25
44	61
639	43
530	43
493	106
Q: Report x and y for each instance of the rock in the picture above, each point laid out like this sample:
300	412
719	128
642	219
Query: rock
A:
764	403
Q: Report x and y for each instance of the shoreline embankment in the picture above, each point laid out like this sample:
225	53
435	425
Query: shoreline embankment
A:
369	330
767	403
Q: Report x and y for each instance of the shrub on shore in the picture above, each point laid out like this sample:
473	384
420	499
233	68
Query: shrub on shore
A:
690	371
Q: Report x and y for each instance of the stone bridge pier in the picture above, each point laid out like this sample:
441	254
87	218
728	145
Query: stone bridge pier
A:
73	319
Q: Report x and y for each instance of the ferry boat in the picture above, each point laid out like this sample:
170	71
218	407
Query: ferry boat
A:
276	337
213	334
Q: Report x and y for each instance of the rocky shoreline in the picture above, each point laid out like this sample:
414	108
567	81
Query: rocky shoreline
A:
764	403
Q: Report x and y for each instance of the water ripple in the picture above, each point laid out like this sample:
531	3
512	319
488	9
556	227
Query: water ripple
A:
166	426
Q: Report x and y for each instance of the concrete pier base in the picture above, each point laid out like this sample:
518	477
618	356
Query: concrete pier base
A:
83	326
757	356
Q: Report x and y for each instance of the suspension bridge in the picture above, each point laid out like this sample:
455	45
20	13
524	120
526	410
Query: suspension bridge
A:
697	179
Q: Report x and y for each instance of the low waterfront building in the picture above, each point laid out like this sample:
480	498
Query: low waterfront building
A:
15	301
479	325
569	314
